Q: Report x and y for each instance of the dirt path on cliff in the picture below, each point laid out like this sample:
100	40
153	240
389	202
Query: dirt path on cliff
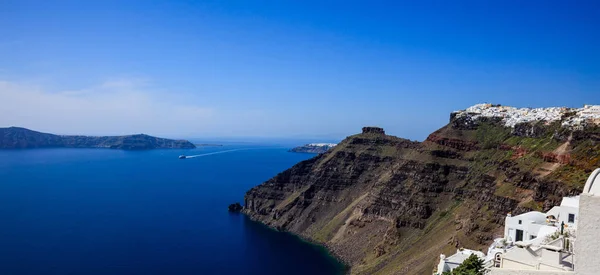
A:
549	167
561	150
340	233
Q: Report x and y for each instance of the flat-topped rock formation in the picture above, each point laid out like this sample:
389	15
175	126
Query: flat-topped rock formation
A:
373	130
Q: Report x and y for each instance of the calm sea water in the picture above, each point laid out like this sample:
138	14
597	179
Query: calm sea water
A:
99	211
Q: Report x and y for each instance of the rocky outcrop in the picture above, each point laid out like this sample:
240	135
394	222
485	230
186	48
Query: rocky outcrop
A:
235	207
15	137
373	130
388	205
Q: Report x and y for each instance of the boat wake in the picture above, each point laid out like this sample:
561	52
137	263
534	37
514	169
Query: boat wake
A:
216	153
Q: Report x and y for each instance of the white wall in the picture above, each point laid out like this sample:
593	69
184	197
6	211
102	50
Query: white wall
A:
510	264
587	246
564	215
529	228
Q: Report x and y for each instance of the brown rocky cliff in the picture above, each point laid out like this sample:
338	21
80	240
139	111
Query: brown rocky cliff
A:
388	205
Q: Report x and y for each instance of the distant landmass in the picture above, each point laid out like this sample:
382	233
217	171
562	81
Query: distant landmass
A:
313	148
16	137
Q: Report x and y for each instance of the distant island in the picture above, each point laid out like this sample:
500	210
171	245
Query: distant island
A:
17	138
313	148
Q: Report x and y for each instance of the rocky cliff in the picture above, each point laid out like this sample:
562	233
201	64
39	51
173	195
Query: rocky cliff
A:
388	205
15	137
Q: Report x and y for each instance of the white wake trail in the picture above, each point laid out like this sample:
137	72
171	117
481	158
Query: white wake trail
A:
216	153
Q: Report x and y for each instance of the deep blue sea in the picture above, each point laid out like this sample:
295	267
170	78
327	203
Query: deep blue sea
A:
102	211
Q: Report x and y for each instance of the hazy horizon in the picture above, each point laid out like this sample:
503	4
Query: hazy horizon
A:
272	70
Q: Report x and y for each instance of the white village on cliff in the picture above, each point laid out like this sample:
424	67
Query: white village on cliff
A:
572	117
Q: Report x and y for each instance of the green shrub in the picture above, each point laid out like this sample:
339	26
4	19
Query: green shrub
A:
471	266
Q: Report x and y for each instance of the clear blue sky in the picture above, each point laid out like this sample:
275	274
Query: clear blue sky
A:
319	69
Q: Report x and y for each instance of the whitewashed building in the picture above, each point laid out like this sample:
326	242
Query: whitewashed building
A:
563	241
575	252
452	262
531	242
591	109
533	227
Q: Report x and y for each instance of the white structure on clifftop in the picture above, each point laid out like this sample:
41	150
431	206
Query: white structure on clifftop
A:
322	144
511	116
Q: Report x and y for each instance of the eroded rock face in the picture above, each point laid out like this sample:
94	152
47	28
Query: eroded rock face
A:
390	205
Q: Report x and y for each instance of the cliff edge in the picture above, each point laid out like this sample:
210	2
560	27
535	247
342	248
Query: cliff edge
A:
387	205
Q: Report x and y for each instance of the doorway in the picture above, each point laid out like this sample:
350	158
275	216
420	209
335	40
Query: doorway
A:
519	236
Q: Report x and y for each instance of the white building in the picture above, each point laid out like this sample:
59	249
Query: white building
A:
568	254
567	212
591	109
533	227
552	256
452	262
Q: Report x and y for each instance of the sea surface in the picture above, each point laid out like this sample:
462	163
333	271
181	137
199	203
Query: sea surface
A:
102	211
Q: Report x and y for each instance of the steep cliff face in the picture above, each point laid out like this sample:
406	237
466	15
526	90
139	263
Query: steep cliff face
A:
15	137
388	205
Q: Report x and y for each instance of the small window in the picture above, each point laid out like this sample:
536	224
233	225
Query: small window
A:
520	221
571	218
532	237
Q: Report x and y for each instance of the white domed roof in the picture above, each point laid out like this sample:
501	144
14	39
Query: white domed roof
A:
592	185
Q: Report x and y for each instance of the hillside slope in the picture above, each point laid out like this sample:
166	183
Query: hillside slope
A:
15	137
388	205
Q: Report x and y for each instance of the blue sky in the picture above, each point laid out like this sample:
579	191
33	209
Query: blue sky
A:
310	69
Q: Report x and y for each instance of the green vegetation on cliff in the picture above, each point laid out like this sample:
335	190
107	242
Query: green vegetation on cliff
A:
388	205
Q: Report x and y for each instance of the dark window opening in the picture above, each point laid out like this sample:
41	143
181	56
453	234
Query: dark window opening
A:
520	221
571	218
519	236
